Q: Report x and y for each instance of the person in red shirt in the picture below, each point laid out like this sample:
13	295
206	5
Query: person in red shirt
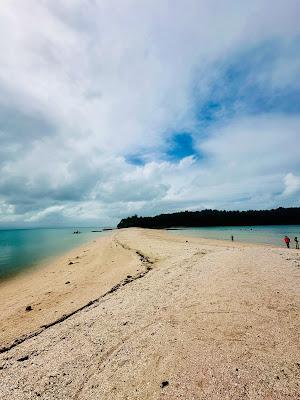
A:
287	241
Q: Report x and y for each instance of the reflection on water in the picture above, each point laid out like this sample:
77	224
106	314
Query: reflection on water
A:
21	248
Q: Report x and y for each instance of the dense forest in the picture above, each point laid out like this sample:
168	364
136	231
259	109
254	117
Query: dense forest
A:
279	216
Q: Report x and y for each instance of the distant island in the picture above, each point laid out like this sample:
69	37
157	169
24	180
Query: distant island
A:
278	216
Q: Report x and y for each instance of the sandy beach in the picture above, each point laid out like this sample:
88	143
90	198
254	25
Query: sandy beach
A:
142	314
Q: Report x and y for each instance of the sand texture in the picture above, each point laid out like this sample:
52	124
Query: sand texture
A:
187	319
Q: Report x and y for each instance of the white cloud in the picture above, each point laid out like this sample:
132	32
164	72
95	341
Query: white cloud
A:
41	215
292	184
88	82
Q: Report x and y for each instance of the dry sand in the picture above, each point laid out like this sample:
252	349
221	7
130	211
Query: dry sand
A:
194	319
61	286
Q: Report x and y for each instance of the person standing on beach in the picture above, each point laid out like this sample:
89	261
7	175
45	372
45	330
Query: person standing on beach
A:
296	242
232	238
287	241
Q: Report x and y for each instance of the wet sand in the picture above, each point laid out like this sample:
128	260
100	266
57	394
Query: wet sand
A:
61	286
188	318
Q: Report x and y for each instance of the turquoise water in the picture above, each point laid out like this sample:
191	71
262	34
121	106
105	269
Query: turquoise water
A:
255	234
23	248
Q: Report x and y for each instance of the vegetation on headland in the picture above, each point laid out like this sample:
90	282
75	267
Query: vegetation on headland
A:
279	216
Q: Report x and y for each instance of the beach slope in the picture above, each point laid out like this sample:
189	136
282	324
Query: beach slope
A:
188	319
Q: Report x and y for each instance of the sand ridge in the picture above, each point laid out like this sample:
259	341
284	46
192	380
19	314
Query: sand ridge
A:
211	320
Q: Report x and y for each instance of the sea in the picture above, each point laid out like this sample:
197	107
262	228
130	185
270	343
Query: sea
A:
24	248
265	234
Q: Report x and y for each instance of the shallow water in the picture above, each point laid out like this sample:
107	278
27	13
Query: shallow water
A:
268	234
23	248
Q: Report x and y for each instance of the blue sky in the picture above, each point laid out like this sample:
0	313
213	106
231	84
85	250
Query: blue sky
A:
112	108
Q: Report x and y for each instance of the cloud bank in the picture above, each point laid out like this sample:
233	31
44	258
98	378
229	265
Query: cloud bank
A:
110	108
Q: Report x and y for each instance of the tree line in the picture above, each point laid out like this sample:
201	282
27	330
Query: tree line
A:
279	216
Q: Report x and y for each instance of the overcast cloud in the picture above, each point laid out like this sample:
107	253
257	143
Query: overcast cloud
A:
110	108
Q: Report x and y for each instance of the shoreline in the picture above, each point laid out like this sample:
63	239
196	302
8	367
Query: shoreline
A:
276	243
60	257
58	286
228	241
45	259
44	262
25	280
208	317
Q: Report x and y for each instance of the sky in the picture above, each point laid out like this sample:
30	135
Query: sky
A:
113	108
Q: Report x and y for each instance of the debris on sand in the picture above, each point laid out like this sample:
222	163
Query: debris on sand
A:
23	358
164	384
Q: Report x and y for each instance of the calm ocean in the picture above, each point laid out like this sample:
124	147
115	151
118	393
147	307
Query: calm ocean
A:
23	248
256	234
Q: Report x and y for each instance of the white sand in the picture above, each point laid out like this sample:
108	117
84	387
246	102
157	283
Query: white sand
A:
215	320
